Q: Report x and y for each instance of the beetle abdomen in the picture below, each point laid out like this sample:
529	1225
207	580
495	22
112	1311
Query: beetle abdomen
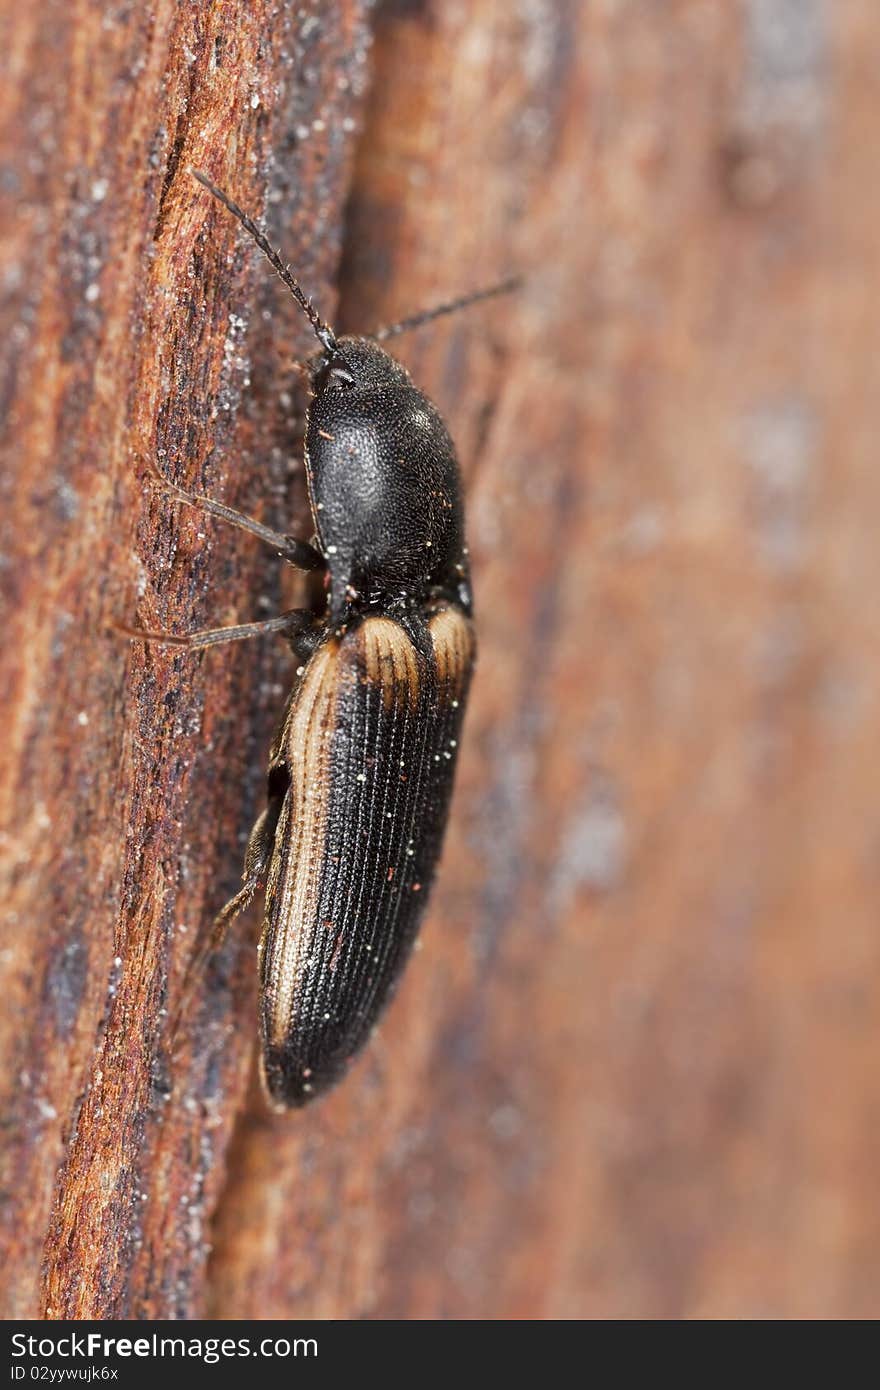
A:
369	747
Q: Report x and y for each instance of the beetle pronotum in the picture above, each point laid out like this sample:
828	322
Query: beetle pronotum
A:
361	769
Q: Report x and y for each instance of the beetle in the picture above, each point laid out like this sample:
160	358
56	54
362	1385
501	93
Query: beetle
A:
361	768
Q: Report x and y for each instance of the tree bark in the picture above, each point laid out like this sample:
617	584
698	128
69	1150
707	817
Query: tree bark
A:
631	1072
144	329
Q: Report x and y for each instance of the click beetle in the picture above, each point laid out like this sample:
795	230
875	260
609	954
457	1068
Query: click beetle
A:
361	769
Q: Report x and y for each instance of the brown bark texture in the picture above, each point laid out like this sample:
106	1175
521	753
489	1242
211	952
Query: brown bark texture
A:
632	1072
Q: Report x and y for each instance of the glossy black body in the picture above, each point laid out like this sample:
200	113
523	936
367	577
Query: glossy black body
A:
362	768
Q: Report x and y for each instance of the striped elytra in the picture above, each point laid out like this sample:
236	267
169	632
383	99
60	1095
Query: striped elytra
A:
366	753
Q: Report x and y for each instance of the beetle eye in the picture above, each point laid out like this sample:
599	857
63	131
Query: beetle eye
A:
334	373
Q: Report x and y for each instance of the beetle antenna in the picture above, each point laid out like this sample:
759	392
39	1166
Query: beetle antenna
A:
513	282
323	332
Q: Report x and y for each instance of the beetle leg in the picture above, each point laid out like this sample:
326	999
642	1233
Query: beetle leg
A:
288	623
298	553
257	859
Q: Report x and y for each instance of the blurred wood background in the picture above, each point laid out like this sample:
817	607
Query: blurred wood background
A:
633	1070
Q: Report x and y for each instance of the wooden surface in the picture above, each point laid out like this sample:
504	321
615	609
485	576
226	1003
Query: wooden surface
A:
632	1072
